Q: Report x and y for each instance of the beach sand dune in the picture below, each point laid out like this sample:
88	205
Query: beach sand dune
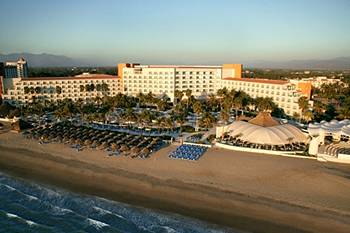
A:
259	193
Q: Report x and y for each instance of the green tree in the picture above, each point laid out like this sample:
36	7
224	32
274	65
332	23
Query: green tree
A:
104	87
197	107
207	120
308	115
303	103
178	95
224	116
82	88
264	104
58	89
37	90
26	90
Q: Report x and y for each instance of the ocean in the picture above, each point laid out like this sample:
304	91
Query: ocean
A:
31	207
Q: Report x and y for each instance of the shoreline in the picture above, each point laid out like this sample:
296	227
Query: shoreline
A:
210	202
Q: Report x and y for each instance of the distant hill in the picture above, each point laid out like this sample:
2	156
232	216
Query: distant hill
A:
50	60
340	63
42	60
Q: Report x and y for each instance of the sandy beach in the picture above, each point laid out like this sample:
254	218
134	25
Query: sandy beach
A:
252	192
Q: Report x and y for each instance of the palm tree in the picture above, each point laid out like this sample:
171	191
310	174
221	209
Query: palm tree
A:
303	103
180	119
344	112
318	107
224	115
212	102
296	115
222	92
37	90
104	87
161	104
178	95
207	120
82	88
26	90
130	115
197	107
308	115
188	93
264	104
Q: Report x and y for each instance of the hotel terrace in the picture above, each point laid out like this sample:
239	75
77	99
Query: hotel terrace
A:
161	80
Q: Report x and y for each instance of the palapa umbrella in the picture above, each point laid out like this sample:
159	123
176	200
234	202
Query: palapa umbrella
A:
102	146
124	148
114	146
135	150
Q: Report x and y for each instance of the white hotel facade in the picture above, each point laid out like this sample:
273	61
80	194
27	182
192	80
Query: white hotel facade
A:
205	80
160	80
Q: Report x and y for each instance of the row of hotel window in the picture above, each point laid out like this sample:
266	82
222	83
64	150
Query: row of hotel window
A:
69	81
162	81
266	86
177	72
166	77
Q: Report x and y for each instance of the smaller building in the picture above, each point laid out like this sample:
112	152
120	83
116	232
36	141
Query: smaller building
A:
15	69
262	134
87	86
330	140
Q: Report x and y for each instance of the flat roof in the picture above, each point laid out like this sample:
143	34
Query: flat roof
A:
257	80
179	66
102	76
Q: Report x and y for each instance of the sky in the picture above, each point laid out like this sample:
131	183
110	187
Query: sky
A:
177	31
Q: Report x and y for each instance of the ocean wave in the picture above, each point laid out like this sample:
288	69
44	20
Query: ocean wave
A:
96	224
9	187
104	211
29	222
30	197
169	229
60	210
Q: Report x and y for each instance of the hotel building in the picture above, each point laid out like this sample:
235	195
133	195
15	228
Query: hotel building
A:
86	86
205	80
14	69
161	80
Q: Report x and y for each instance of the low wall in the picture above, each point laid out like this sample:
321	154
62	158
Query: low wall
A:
261	151
344	157
327	158
7	120
197	144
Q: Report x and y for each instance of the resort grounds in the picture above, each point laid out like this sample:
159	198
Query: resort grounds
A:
246	191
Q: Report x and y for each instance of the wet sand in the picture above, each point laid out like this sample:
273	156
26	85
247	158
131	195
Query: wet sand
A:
246	191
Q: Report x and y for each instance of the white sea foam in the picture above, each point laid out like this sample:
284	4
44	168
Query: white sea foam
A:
59	210
104	211
30	223
12	215
30	197
96	224
9	187
169	229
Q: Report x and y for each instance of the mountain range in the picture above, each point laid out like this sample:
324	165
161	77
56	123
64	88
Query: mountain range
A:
50	60
339	63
